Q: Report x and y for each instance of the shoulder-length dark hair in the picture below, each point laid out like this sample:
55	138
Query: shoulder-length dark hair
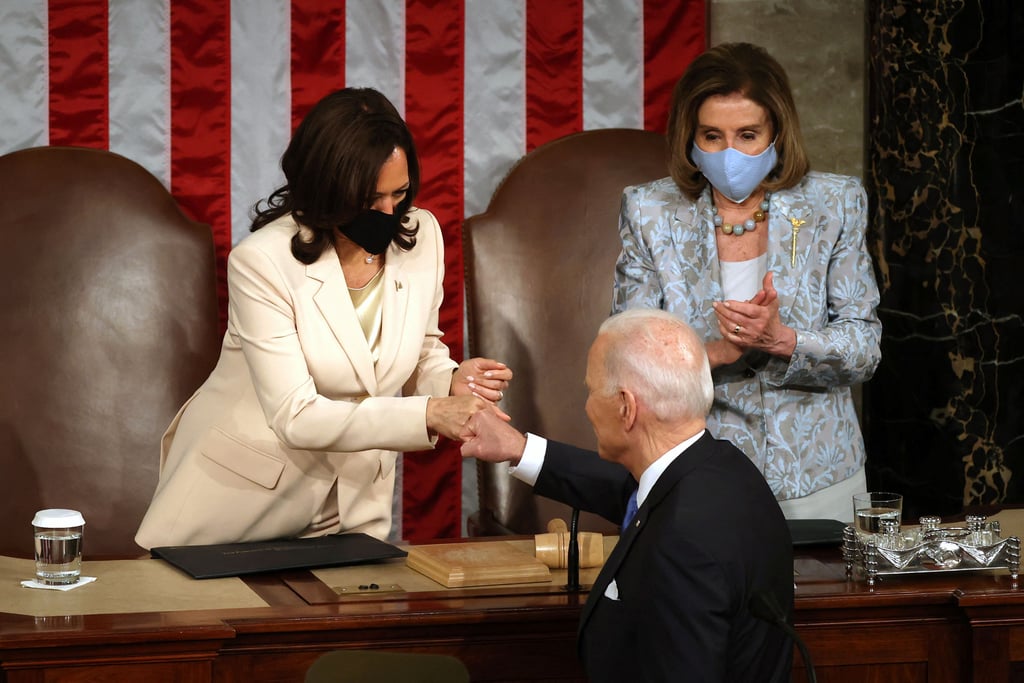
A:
331	168
723	70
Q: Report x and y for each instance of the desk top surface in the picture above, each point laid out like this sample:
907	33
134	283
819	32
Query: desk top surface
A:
159	590
151	585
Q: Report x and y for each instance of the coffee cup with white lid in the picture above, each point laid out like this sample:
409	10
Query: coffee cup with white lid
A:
58	546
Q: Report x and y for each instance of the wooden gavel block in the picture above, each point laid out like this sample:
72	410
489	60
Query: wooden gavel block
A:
553	547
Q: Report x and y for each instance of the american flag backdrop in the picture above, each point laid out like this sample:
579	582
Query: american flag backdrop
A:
205	94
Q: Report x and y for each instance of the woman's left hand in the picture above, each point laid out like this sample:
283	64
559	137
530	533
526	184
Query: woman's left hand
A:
755	324
481	377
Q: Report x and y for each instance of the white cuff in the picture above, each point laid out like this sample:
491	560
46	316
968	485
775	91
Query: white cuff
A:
529	465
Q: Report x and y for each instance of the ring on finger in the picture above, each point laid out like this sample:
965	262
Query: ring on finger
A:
736	330
501	395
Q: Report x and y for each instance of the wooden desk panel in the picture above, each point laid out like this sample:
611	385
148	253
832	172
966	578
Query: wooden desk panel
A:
996	615
909	629
522	644
906	628
156	648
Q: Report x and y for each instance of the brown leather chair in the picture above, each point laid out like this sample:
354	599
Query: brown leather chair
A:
539	269
109	323
369	666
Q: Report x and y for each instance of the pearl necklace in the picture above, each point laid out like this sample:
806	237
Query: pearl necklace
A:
748	225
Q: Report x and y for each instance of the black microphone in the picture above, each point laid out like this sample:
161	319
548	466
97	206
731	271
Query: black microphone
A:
573	564
765	606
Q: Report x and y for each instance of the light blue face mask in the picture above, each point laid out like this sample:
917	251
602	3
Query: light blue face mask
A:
733	173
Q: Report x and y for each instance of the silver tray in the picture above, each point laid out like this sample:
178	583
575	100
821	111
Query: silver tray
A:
930	549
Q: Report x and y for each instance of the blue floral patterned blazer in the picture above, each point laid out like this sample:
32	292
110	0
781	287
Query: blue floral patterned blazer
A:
794	418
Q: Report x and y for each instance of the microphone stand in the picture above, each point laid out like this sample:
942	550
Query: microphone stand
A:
573	564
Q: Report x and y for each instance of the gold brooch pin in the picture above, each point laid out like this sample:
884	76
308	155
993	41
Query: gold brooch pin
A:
796	223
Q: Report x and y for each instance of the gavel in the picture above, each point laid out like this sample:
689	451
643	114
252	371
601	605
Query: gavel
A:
552	548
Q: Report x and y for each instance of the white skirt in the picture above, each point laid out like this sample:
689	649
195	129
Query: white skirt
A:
832	502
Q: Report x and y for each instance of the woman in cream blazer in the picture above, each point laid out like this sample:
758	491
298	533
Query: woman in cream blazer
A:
328	368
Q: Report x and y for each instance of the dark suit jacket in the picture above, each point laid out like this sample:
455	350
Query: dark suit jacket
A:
709	535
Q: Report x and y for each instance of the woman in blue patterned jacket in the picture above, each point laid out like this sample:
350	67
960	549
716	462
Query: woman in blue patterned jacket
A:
767	261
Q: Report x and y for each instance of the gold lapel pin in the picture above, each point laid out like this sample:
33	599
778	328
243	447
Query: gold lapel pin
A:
796	223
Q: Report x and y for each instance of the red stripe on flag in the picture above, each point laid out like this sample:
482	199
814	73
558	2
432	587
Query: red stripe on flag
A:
79	75
432	499
674	34
201	122
554	70
317	53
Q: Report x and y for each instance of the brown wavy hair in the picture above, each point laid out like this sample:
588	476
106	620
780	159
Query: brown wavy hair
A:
331	168
723	70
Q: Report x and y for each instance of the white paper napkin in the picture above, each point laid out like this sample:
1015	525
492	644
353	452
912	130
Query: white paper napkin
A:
32	583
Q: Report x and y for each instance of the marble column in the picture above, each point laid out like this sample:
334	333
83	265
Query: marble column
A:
944	414
827	76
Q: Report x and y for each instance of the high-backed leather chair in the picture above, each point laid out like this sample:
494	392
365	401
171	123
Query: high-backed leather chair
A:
108	323
370	666
539	269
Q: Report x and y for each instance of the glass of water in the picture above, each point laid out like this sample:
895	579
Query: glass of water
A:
58	540
869	509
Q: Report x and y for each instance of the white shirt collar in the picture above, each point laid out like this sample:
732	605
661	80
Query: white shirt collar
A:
654	471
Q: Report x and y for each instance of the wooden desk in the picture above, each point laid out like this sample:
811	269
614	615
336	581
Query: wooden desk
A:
905	629
953	627
272	627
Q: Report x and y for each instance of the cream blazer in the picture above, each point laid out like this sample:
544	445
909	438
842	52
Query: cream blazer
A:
296	403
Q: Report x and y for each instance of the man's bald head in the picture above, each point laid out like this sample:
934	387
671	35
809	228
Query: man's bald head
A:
660	359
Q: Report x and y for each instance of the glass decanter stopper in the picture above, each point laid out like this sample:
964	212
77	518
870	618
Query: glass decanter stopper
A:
889	534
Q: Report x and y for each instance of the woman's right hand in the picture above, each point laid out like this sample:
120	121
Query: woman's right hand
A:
483	377
449	415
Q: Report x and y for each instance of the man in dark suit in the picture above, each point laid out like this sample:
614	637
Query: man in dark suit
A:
673	601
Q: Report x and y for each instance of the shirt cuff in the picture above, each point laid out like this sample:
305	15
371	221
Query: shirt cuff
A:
529	465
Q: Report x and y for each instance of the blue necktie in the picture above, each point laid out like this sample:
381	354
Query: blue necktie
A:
630	510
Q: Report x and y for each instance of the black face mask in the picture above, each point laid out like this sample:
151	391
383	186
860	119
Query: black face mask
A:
373	230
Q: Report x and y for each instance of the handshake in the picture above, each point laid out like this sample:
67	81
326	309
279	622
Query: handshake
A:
477	385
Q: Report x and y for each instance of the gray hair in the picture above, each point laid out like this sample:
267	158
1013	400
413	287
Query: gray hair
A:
661	360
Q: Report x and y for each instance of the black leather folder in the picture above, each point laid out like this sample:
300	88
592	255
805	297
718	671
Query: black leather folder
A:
816	531
237	559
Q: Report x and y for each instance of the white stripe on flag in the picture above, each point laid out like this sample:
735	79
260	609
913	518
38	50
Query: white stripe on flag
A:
25	65
494	126
375	58
140	83
613	57
260	104
494	96
375	48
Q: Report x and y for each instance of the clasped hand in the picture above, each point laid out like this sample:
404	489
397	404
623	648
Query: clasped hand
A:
478	384
481	377
751	324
